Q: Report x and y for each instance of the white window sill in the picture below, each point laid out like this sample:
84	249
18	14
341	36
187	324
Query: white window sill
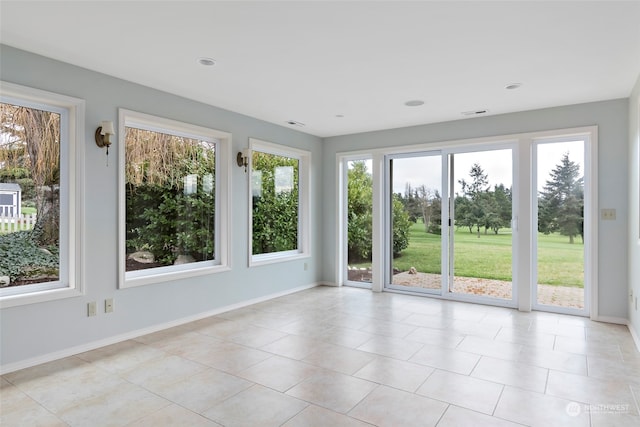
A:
159	277
265	259
38	297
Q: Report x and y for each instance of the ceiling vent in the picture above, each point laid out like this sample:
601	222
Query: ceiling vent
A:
474	112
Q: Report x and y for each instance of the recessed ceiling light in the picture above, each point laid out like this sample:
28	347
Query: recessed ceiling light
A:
294	123
414	103
207	62
512	86
339	116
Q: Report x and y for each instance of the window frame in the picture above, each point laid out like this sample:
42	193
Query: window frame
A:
304	202
72	113
343	191
220	263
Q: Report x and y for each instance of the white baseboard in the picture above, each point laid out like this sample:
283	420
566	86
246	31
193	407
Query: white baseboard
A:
335	285
634	335
607	319
27	363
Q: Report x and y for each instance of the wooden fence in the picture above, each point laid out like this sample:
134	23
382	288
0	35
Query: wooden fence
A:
9	224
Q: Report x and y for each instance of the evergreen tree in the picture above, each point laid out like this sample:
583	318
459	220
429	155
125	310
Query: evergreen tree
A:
477	212
561	202
503	202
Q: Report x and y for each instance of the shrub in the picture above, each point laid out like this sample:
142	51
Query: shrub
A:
360	206
166	222
21	255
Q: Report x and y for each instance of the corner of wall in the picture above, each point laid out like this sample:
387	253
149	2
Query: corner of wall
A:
634	213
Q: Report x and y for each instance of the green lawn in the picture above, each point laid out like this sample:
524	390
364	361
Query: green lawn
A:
26	210
559	263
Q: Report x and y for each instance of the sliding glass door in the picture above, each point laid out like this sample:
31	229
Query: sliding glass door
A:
480	236
415	227
467	235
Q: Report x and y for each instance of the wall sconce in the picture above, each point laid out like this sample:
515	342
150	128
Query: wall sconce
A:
243	159
103	135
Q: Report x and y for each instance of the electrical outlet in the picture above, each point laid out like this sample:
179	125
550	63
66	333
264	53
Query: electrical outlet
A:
108	305
608	214
92	309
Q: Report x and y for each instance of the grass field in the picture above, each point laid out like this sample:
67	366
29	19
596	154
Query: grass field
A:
489	257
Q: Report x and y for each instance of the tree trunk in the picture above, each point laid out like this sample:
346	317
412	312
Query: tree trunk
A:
425	217
47	227
42	137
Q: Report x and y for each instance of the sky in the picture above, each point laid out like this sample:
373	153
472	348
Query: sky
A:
497	165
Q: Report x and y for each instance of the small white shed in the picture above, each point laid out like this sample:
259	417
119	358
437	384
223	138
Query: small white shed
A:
10	199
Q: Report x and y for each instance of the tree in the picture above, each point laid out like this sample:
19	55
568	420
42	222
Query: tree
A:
435	213
503	206
476	212
30	153
464	217
401	226
561	202
359	215
359	212
480	207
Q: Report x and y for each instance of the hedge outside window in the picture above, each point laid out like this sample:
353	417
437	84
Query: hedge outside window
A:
170	180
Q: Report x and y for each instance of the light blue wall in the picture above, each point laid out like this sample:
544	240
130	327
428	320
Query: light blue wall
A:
34	330
634	209
612	120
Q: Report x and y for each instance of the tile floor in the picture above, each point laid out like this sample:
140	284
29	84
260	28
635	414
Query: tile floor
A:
344	357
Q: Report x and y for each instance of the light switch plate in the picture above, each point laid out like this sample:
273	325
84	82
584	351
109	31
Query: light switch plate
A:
91	309
608	214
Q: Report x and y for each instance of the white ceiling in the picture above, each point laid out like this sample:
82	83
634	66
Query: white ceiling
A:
311	61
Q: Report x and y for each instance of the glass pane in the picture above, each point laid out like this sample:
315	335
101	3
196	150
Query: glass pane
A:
416	206
170	199
560	237
29	196
481	238
359	220
274	187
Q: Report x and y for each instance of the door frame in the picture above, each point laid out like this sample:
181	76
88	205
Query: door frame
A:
388	265
590	220
342	276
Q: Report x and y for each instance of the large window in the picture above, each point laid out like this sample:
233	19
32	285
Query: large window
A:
173	191
279	202
38	192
